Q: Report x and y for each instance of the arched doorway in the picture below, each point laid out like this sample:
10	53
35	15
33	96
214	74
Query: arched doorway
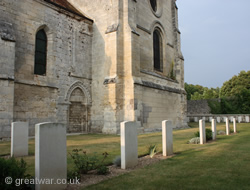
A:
78	113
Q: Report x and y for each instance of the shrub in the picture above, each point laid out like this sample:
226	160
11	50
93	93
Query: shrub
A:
72	174
14	169
102	170
208	134
195	140
221	132
117	161
85	163
152	150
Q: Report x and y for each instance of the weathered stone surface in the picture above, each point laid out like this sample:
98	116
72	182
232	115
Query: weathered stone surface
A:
227	126
19	138
167	138
235	126
110	61
202	131
7	31
198	107
214	132
129	149
247	119
50	154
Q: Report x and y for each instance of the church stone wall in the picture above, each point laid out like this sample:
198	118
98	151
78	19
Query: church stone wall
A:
7	61
44	98
157	96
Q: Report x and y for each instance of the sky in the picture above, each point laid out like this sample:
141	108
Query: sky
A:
215	39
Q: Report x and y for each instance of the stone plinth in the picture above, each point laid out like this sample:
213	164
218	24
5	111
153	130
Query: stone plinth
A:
167	138
227	127
50	154
202	131
214	129
129	149
19	138
235	127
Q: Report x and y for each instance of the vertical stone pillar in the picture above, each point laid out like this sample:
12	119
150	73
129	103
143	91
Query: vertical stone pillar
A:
214	129
235	127
129	147
51	155
227	127
202	131
167	138
19	138
218	119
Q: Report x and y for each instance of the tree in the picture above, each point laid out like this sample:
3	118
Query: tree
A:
236	85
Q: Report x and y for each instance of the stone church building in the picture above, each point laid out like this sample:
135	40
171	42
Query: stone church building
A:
91	64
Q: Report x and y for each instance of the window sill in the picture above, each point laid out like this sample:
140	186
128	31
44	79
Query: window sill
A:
158	74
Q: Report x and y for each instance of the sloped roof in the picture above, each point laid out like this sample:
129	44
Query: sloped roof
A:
64	4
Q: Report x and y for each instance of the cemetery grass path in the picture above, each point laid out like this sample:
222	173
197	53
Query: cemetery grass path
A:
222	165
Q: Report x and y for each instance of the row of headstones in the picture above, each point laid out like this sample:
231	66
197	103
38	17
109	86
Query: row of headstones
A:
202	129
51	149
221	119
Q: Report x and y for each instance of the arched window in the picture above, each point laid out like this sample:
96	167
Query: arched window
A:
157	50
153	5
40	53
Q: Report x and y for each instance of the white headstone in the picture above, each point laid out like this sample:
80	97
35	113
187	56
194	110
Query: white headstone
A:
227	127
225	119
231	119
51	155
195	119
202	131
239	119
214	129
210	119
235	127
129	149
218	119
167	138
247	119
19	138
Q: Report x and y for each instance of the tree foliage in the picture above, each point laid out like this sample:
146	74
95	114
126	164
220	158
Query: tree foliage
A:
236	85
232	98
197	92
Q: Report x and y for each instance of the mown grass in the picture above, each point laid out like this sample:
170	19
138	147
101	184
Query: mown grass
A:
222	165
194	166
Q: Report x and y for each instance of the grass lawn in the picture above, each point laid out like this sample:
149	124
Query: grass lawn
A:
224	164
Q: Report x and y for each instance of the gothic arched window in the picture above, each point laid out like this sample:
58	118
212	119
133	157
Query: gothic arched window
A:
153	5
157	42
40	53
